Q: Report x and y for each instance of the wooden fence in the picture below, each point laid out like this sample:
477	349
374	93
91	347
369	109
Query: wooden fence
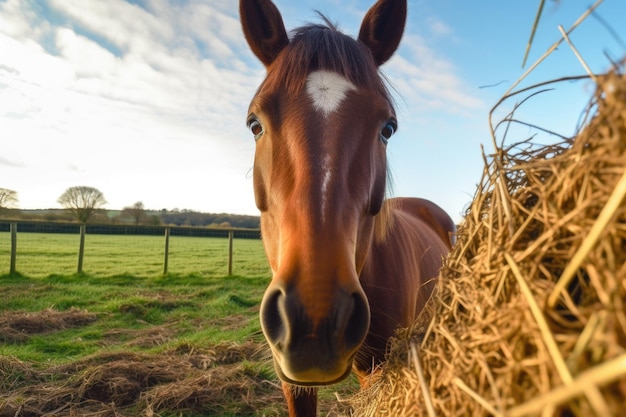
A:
87	229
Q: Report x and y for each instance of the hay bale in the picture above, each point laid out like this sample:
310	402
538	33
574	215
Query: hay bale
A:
529	316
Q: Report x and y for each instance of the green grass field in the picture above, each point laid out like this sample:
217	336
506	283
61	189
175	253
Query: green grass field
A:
43	254
122	339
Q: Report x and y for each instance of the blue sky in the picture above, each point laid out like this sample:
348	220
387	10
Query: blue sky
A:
146	100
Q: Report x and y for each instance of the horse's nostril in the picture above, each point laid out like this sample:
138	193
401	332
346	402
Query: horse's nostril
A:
271	321
358	322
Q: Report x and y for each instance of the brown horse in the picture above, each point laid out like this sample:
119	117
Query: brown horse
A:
348	267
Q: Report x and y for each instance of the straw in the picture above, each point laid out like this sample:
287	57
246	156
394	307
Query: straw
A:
590	240
498	340
600	375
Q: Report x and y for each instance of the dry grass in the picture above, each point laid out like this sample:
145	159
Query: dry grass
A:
529	317
17	326
221	380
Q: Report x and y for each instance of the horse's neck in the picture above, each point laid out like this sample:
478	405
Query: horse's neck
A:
398	278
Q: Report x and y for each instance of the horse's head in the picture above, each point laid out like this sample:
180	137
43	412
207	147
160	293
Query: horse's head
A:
321	121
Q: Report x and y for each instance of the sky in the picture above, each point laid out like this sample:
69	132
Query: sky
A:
146	100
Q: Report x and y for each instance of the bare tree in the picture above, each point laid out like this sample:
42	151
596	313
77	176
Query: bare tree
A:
8	198
82	201
137	211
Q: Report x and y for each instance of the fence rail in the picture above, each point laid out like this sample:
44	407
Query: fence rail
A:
15	228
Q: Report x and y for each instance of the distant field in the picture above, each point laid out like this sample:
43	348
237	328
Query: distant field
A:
43	254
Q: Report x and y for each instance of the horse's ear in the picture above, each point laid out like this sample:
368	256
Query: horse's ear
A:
263	28
382	28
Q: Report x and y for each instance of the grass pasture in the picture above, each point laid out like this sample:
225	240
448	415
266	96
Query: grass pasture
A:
124	340
42	254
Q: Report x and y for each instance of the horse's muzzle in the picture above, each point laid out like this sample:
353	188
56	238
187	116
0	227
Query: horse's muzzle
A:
314	347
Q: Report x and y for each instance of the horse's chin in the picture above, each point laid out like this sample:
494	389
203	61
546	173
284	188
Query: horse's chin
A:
312	378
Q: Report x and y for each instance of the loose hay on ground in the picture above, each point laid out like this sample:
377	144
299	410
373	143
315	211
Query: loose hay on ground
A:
529	315
17	326
225	378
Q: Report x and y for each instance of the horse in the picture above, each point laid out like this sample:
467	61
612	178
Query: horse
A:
349	266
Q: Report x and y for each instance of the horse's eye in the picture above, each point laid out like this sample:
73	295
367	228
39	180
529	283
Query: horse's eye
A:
255	127
388	130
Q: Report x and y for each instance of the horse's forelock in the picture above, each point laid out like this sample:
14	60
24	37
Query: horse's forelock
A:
323	47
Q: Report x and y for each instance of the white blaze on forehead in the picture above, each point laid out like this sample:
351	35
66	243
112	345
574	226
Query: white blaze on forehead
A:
327	90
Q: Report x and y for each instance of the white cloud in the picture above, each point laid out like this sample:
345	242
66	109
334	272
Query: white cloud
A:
125	25
16	20
128	100
427	81
216	29
27	60
8	162
438	27
87	58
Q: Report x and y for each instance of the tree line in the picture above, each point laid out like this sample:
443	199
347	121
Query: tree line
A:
85	205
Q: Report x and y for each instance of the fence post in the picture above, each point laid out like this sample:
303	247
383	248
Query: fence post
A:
13	247
81	248
167	249
231	234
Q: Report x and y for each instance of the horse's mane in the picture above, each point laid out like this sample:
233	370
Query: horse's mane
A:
384	220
